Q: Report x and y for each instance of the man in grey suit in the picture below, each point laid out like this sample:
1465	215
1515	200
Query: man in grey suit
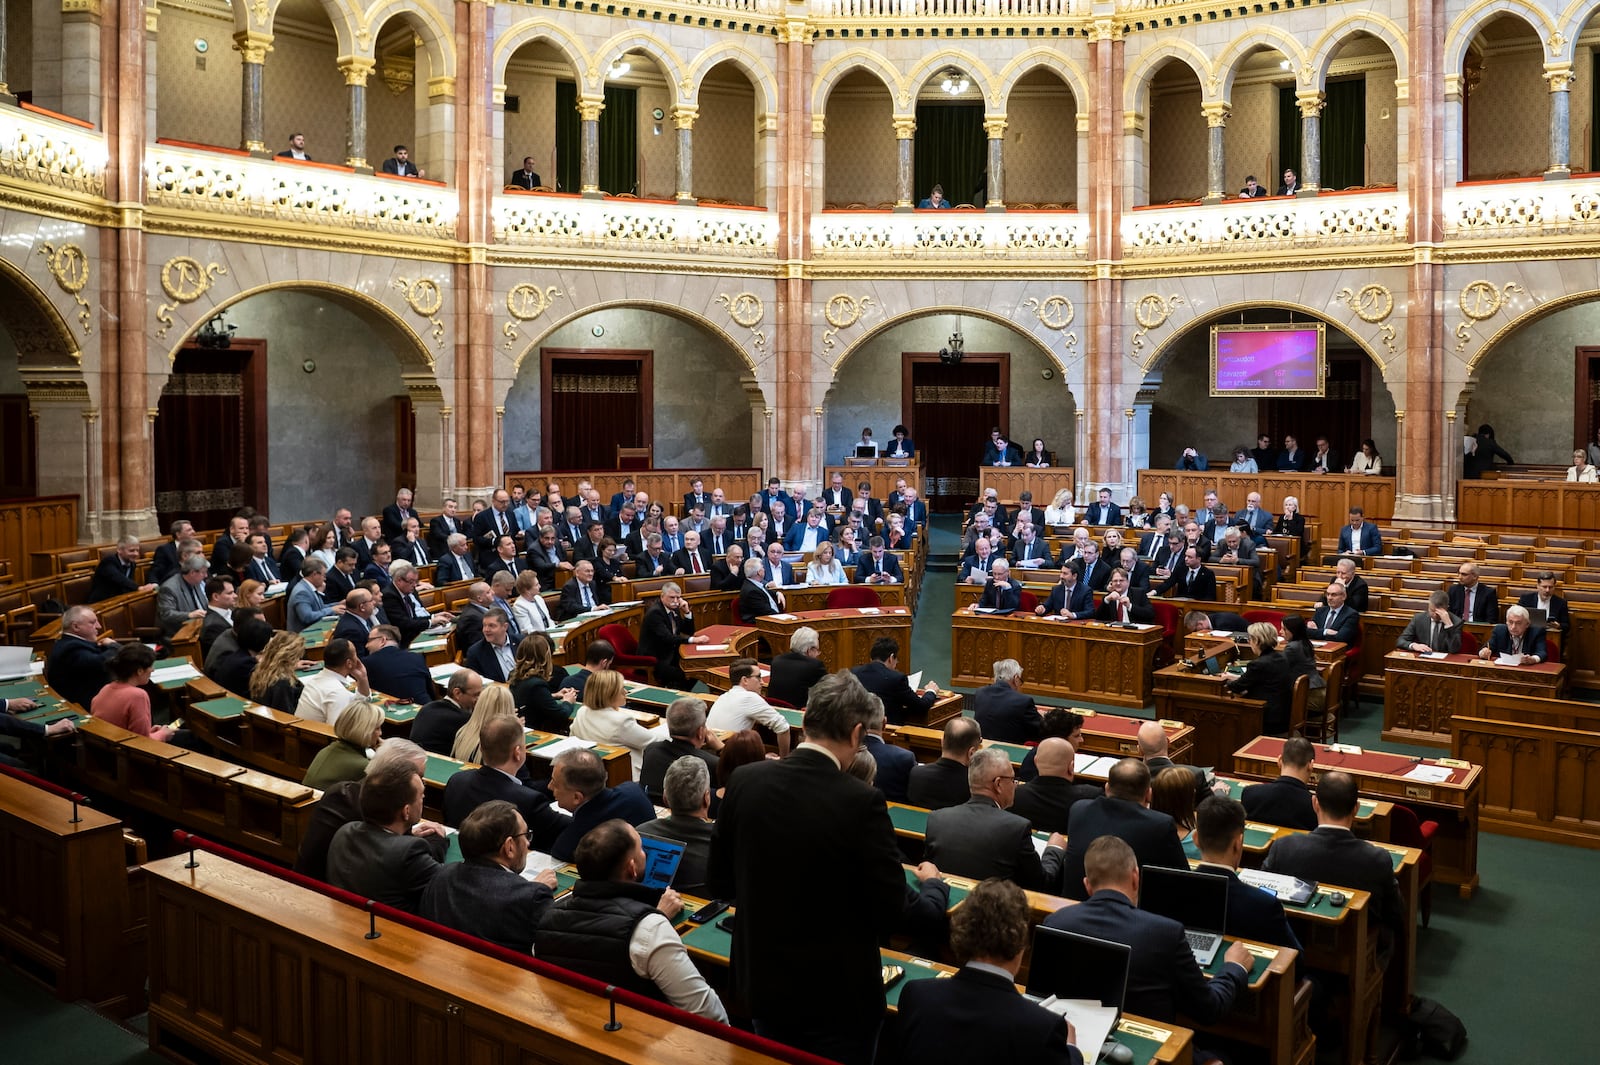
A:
1433	629
485	894
390	854
687	789
182	596
980	838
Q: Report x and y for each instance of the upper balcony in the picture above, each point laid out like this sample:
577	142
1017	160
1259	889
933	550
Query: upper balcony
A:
1273	227
54	151
624	227
970	238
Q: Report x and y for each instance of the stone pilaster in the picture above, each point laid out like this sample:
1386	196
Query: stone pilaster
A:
905	128
252	47
794	447
1100	422
81	59
355	69
1216	115
994	128
683	117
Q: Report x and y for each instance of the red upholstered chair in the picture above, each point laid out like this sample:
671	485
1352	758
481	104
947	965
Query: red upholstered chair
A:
1552	647
848	596
1168	616
1027	602
1469	643
1271	617
1406	829
734	612
783	704
631	664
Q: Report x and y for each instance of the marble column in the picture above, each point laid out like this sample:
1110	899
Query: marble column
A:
905	128
1311	104
1216	115
683	117
477	177
1101	453
355	69
80	59
589	108
1560	77
6	95
252	48
994	127
800	378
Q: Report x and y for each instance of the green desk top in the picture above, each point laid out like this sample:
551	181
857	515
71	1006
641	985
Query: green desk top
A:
440	769
910	820
1130	1034
399	712
1015	751
656	697
1258	964
1318	906
796	718
28	689
228	706
958	894
49	715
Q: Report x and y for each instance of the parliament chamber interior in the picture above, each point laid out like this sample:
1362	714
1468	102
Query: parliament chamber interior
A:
444	327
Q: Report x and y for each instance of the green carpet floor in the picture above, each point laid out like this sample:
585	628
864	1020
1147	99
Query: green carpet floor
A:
1517	962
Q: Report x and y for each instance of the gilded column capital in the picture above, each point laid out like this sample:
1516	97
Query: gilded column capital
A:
252	46
441	89
683	116
1105	28
356	68
794	29
1560	76
1311	102
994	126
905	127
90	8
1217	113
589	108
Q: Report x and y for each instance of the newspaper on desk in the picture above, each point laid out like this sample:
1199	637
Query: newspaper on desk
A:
1431	774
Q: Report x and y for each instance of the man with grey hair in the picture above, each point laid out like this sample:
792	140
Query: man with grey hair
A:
183	597
578	785
895	763
797	669
1356	591
1434	629
982	839
78	665
687	791
1516	640
756	600
687	736
1004	712
116	573
1002	592
340	805
456	563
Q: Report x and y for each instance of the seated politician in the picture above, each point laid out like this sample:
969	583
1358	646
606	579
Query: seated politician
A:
485	894
981	838
1002	591
1071	598
1517	639
1124	604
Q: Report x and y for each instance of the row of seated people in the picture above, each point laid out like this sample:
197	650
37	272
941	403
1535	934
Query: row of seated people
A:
1291	458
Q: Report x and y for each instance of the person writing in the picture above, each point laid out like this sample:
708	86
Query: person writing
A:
935	199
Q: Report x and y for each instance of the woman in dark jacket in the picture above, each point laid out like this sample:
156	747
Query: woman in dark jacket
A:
1293	523
1302	659
530	688
1267	677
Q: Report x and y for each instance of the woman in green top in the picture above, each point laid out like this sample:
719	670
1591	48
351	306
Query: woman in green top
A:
357	729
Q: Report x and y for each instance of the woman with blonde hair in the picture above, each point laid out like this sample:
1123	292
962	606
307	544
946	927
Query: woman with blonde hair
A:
273	683
528	610
359	729
530	686
1581	470
495	701
1061	510
824	568
602	718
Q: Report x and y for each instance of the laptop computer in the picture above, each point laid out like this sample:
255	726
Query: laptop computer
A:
1073	966
1198	901
866	451
661	860
1537	616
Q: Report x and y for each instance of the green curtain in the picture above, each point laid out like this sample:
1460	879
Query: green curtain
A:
569	138
1288	137
619	141
1344	134
949	150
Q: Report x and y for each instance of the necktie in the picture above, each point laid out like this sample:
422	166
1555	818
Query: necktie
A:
420	553
500	521
1516	645
417	609
588	600
1468	611
1190	581
694	557
200	603
1122	610
1436	641
1333	616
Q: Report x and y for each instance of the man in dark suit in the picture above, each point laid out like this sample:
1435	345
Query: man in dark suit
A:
1254	519
393	670
296	149
1252	913
1138	570
116	573
494	656
667	626
493	522
238	529
469	621
1070	598
582	593
1004	712
1047	800
1325	459
392	521
390	854
895	763
221	595
881	676
526	178
687	736
164	561
1433	629
1518	638
456	564
1357	594
498	779
505	558
877	566
578	785
980	838
696	496
1123	811
1030	550
978	1015
1002	591
1544	598
1360	536
485	894
1163	977
358	621
1000	451
686	792
1287	800
797	669
402	607
936	785
1103	511
78	664
1471	600
443	526
1292	459
1192	581
1156	752
692	559
762	835
437	723
342	577
1124	604
837	495
1332	854
1334	620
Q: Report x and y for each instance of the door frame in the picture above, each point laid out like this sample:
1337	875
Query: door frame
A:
254	408
908	359
645	357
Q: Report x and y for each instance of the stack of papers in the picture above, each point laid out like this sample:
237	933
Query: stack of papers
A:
169	673
1092	1021
1432	774
566	743
1100	767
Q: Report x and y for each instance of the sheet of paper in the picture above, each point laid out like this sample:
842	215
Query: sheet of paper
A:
781	617
561	746
915	680
276	588
443	673
870	610
1092	1021
1038	844
1433	654
1081	761
183	672
1432	774
1508	659
707	647
1101	766
538	861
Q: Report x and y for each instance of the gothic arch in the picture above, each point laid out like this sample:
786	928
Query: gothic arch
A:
748	63
699	321
1136	89
1041	59
1459	36
837	68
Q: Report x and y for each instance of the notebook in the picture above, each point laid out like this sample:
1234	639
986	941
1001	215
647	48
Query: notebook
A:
1198	901
661	860
14	662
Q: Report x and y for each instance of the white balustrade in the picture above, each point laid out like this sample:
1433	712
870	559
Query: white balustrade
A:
1522	209
1266	225
47	151
633	226
948	235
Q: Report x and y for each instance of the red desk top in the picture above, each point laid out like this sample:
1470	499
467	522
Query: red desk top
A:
1382	763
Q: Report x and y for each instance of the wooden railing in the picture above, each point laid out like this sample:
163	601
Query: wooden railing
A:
1525	504
37	524
1328	496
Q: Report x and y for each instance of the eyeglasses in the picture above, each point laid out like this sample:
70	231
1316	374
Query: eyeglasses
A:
1012	779
528	835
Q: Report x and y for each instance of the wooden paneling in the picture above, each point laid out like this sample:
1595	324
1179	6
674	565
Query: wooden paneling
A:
1009	482
42	523
1541	762
667	487
1327	496
1519	504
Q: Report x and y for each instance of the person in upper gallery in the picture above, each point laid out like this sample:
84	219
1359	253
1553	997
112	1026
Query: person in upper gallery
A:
525	178
1192	459
1291	183
1544	597
1242	461
1582	471
935	199
1367	460
999	451
400	163
1252	188
296	149
1038	457
1517	638
901	447
1325	459
1292	459
1264	453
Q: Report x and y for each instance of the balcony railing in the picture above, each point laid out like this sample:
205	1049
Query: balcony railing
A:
1266	225
226	182
47	150
1522	209
947	9
948	235
631	226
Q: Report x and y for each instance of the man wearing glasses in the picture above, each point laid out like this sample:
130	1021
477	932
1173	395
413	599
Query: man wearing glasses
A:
484	894
982	838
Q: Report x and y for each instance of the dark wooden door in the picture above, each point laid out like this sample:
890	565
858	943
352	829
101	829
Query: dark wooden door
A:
950	410
19	466
211	435
1344	415
1585	396
594	401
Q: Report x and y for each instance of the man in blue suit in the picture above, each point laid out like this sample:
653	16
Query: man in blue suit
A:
1360	537
894	762
1252	913
807	535
504	752
878	566
774	569
393	670
1254	519
578	785
1071	598
1517	637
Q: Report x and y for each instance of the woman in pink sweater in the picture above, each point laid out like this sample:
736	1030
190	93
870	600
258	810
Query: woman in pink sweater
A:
124	702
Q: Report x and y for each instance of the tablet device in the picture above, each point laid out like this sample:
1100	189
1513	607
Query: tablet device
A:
661	860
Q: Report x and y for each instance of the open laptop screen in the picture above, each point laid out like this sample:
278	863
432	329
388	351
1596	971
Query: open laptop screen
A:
1196	900
1072	966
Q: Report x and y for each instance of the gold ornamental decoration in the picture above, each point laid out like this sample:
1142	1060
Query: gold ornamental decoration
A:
842	311
1152	312
1373	304
524	303
747	310
184	280
1053	312
424	297
1478	301
70	267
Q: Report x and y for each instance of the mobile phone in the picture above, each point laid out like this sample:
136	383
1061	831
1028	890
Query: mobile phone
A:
708	911
726	924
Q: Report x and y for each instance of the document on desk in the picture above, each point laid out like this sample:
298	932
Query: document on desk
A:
1092	1021
1434	654
915	680
166	673
1082	761
707	648
566	743
1508	659
1101	767
538	861
1430	774
276	588
781	617
442	674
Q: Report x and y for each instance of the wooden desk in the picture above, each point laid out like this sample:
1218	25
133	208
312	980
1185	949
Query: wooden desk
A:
1326	496
1420	695
1103	734
1223	722
427	999
815	597
845	636
726	644
1380	775
1073	659
1538	757
1009	482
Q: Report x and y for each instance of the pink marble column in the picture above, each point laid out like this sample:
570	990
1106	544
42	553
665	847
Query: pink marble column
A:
475	421
1431	455
798	447
1103	456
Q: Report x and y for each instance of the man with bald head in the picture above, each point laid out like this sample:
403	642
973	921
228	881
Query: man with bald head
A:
1046	800
1123	811
360	608
1154	749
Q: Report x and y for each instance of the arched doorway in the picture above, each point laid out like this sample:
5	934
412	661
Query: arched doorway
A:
45	446
860	113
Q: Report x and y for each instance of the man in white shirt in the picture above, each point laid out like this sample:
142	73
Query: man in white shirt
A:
742	707
327	694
